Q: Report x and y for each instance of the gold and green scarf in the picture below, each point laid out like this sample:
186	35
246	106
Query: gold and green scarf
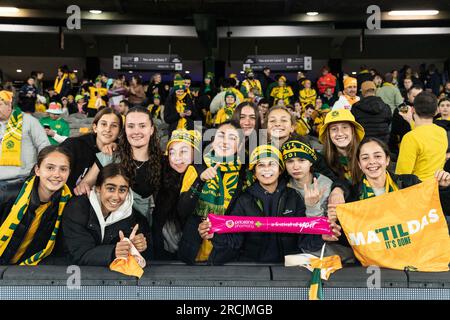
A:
59	83
217	193
12	140
181	107
19	210
367	190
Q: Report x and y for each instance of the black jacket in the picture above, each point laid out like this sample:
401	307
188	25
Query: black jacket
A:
82	150
43	233
81	234
191	241
265	247
375	116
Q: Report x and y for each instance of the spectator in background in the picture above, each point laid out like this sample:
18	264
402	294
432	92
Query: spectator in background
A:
30	223
179	109
106	82
433	80
22	138
94	225
349	97
65	109
407	84
328	98
402	121
156	87
156	109
282	92
27	96
123	108
265	80
445	93
217	101
71	104
327	80
389	93
62	85
378	80
97	97
307	95
395	78
263	109
423	150
56	128
116	94
372	113
136	92
80	104
363	75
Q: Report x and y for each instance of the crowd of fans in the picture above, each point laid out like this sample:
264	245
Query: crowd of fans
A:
280	148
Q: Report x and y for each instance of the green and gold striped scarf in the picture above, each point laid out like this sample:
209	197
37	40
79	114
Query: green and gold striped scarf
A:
12	140
367	190
19	210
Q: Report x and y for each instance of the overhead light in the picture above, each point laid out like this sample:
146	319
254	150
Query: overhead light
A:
130	71
354	72
413	13
312	13
187	71
75	71
19	70
95	11
9	10
242	72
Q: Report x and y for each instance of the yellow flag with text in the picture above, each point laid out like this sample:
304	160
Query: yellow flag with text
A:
398	230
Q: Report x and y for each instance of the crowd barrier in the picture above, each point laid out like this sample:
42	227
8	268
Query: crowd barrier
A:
176	281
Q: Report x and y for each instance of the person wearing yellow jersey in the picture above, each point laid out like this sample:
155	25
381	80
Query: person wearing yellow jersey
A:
423	150
376	180
250	83
211	187
179	109
282	93
97	96
30	223
226	113
307	95
349	97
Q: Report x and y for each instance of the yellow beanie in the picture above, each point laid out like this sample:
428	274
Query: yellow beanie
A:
349	81
6	96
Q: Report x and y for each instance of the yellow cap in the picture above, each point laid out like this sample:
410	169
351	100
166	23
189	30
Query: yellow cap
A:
341	115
